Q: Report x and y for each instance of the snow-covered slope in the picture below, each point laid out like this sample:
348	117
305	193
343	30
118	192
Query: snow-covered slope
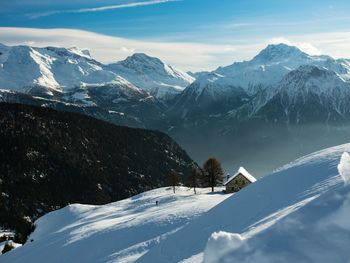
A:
153	75
318	232
117	232
177	230
304	92
53	69
309	78
256	207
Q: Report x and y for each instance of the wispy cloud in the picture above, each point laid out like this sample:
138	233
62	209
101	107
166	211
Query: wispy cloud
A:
107	49
102	8
185	55
129	5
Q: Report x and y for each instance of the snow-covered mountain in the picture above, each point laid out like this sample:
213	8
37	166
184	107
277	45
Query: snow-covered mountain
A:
271	65
307	94
265	73
53	70
304	201
76	81
153	75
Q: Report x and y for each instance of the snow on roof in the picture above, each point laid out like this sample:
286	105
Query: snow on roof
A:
243	172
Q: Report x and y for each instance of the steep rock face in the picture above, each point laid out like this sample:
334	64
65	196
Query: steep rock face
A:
50	159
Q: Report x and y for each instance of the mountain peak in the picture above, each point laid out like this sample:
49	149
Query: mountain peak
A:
141	55
280	51
138	59
152	74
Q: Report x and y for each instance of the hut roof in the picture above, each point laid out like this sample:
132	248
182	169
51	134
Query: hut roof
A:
243	172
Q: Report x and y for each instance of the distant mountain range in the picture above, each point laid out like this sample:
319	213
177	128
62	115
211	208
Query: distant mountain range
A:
247	88
51	70
281	99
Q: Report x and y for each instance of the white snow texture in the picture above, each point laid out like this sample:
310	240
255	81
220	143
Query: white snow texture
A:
344	167
297	214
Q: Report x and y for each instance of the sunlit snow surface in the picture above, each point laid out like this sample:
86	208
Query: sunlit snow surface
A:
116	232
255	208
344	167
292	215
318	232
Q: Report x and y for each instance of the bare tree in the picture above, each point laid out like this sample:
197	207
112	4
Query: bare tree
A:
173	179
194	178
213	173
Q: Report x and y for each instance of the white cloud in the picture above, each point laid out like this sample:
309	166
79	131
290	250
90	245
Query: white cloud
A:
184	55
335	44
304	46
277	40
102	8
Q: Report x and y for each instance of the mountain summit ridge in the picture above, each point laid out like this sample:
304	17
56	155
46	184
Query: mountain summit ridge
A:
58	69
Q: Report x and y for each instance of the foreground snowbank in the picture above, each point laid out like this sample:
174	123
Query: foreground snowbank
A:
318	232
344	167
117	232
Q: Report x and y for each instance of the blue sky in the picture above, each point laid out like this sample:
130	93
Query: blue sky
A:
221	28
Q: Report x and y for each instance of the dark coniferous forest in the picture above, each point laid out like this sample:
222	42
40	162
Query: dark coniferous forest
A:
49	159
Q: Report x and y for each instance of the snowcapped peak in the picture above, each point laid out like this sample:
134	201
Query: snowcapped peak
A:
63	69
152	74
145	64
275	52
142	57
141	61
26	68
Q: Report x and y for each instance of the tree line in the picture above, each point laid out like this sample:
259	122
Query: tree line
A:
210	175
